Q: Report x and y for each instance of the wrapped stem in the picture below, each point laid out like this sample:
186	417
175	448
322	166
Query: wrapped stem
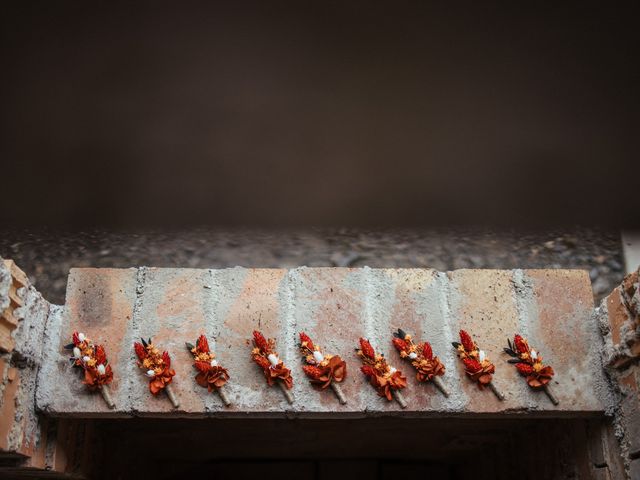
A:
223	396
172	396
496	392
104	390
338	391
285	390
399	398
441	386
551	396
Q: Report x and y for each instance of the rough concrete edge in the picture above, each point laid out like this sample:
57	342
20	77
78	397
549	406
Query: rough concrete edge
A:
616	396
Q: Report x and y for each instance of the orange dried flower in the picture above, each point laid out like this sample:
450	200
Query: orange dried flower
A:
304	338
400	344
202	344
466	341
312	371
262	361
260	341
427	352
367	349
524	369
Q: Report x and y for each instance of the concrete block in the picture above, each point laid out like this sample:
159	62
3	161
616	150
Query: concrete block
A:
335	306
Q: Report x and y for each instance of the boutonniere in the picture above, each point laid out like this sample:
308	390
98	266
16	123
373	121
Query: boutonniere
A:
387	380
92	360
323	370
428	367
156	366
210	375
476	364
529	364
265	355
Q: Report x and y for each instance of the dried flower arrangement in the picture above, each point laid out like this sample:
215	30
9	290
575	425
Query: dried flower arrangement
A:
387	380
92	359
157	366
428	367
265	355
323	370
529	364
476	364
210	375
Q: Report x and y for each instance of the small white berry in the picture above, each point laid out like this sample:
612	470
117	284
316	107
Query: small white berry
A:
534	354
101	369
318	357
392	370
151	373
81	337
76	352
214	363
413	355
482	355
273	359
85	359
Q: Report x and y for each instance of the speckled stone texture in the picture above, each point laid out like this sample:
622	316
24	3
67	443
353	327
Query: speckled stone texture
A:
335	306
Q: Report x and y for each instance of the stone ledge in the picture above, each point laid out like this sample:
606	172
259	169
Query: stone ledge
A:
335	306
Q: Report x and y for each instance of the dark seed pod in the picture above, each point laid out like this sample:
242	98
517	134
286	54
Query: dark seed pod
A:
189	346
144	344
514	360
455	344
69	346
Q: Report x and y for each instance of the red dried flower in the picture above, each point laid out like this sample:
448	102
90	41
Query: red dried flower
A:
304	338
166	359
76	340
312	371
472	365
141	352
202	344
524	369
427	352
367	349
520	344
260	341
400	344
100	355
466	341
368	370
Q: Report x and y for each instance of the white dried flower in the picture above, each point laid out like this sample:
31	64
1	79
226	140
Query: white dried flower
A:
534	355
214	363
273	359
413	355
392	370
81	337
318	357
85	359
76	352
101	369
151	373
481	355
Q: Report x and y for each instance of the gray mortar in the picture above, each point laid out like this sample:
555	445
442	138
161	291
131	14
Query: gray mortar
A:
434	307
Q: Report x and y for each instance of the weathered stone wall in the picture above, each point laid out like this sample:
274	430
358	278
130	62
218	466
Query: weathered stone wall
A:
335	306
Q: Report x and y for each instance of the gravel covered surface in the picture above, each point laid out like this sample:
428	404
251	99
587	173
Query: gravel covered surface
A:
47	256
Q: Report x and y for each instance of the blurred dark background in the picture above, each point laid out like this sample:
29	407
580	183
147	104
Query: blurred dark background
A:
399	114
